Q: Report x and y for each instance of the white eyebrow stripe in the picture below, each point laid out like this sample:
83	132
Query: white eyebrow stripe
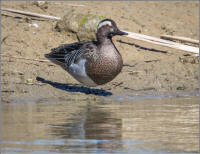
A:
104	23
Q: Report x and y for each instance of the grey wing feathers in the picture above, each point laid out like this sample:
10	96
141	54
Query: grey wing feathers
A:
64	54
73	57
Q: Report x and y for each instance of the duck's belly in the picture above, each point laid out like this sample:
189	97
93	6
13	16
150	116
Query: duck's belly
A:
78	71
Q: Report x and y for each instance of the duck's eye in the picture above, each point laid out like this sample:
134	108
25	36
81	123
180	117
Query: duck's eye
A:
112	29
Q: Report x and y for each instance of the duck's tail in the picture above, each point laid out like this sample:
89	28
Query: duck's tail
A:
54	59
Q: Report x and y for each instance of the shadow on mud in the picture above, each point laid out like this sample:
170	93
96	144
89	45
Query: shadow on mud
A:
141	47
74	88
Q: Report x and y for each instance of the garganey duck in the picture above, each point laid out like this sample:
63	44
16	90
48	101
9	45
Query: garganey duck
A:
91	63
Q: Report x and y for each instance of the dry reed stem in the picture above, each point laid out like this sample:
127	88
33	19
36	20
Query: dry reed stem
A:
162	42
31	14
179	38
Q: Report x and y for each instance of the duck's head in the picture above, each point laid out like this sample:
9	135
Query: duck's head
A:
108	28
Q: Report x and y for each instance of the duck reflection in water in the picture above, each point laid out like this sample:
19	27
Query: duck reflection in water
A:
94	129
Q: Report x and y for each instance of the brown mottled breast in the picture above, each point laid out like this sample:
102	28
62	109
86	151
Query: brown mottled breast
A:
103	64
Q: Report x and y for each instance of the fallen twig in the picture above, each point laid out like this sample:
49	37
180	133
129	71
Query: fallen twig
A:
24	58
148	61
31	14
184	39
8	91
4	39
40	84
20	16
130	65
116	84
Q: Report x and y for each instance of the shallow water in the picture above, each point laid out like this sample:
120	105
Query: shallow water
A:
138	126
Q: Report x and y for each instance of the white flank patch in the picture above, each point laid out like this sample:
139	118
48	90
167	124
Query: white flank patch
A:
79	73
104	23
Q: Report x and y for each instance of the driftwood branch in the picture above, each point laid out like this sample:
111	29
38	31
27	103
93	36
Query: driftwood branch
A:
162	42
31	14
179	38
137	36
